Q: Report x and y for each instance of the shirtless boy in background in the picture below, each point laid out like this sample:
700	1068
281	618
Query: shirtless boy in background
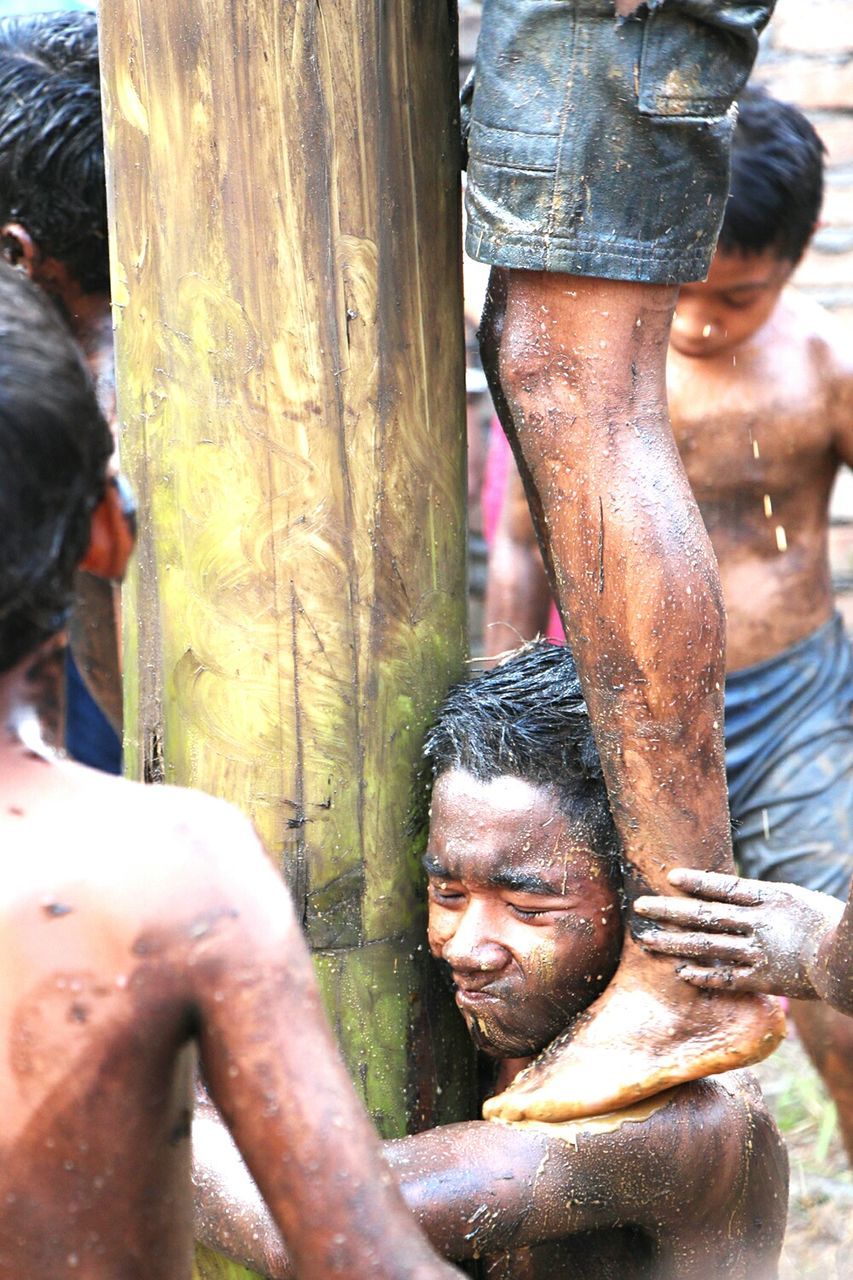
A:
53	226
141	926
760	383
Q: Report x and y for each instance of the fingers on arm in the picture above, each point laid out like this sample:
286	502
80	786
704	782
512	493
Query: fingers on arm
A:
690	914
725	978
703	946
718	888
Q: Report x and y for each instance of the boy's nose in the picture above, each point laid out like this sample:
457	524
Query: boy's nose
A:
473	948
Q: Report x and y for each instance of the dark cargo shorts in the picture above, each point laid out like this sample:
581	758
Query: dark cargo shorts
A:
789	760
600	147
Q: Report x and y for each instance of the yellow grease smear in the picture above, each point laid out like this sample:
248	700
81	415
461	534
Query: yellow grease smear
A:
609	1122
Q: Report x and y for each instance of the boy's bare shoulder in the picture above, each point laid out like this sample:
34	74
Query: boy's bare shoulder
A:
166	854
172	825
808	324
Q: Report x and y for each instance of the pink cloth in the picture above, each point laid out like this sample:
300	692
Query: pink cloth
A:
499	460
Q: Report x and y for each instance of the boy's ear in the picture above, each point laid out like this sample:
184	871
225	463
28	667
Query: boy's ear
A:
113	532
18	248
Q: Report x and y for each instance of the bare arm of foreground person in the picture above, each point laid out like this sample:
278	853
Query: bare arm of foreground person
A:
479	1188
274	1070
749	935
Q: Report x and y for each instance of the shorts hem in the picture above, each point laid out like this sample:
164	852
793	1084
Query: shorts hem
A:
611	260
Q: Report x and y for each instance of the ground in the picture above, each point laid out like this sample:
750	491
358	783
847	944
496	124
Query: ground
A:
819	1239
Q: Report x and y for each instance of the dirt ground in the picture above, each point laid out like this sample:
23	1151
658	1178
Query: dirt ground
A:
819	1240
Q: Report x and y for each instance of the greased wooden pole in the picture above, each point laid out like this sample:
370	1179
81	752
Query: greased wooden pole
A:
287	302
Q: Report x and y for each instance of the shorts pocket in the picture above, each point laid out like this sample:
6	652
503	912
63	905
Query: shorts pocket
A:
689	68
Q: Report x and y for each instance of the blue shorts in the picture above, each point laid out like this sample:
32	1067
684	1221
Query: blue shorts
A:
601	148
789	760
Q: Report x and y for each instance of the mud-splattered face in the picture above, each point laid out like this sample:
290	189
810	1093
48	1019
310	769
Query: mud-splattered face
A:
725	310
520	908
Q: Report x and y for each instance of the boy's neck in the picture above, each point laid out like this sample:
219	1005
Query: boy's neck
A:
32	701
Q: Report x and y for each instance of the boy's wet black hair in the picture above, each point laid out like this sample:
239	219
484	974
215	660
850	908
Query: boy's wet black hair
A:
51	140
527	718
54	449
777	179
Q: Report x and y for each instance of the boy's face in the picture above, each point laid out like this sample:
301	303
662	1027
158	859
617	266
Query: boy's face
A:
725	310
520	908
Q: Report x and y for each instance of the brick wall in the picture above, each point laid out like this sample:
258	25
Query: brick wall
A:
807	58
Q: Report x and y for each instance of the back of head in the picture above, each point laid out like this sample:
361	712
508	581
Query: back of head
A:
527	718
54	449
51	140
777	179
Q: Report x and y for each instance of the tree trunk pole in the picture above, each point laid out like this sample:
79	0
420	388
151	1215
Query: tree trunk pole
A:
285	250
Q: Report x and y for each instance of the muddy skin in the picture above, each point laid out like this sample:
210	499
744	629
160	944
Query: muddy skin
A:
761	387
691	1184
143	929
748	935
581	367
760	384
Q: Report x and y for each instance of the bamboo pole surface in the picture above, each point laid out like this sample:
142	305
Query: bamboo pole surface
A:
286	294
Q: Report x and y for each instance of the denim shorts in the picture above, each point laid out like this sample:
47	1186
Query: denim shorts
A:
600	147
789	760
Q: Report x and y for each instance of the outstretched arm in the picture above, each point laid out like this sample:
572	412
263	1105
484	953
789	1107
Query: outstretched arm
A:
482	1188
274	1071
747	935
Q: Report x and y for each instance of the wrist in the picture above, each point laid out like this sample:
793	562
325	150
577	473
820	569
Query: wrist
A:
817	955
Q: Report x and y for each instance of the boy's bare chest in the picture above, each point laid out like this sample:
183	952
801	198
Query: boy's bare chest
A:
763	431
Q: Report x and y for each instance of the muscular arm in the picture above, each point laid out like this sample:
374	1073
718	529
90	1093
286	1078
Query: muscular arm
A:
518	598
274	1072
480	1188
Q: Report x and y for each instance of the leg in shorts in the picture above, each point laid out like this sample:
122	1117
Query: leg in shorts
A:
598	171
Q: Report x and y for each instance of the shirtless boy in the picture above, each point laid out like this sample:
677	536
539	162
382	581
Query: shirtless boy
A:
53	226
524	910
140	928
760	381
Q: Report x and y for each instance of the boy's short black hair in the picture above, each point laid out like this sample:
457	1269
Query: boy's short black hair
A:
777	179
51	140
54	449
527	718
